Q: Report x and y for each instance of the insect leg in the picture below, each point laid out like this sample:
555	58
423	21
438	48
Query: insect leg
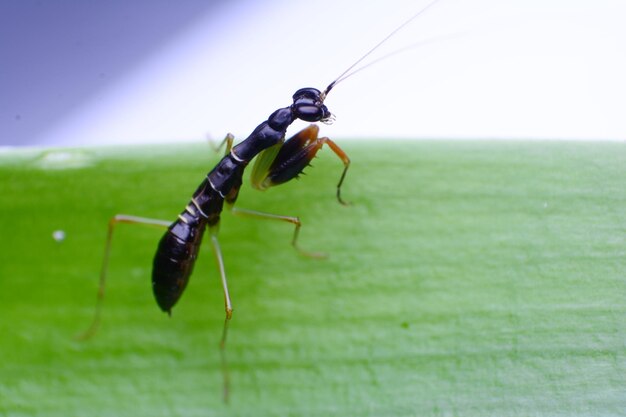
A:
228	141
346	163
289	219
118	218
227	305
220	263
283	162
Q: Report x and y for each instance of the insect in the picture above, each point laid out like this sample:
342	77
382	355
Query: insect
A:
277	161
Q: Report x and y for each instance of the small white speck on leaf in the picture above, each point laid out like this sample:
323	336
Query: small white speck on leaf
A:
58	235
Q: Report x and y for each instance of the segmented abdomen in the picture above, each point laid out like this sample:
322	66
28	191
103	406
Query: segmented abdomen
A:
174	260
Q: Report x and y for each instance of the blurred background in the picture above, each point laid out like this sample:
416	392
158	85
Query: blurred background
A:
75	73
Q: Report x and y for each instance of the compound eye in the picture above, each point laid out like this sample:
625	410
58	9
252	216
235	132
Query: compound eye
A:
309	113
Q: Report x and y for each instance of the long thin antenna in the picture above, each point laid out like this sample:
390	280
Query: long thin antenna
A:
414	45
396	30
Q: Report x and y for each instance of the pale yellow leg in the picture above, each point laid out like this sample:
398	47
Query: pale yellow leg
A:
228	306
289	219
228	141
119	218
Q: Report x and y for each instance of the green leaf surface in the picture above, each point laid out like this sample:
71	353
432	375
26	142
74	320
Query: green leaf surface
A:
467	278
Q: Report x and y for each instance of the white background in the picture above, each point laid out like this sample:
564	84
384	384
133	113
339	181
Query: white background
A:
530	69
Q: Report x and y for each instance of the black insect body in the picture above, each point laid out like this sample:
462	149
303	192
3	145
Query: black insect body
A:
277	161
178	249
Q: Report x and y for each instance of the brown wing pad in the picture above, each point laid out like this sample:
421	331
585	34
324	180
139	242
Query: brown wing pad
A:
294	156
287	160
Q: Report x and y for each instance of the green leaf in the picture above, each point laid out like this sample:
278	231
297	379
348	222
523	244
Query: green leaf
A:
468	278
